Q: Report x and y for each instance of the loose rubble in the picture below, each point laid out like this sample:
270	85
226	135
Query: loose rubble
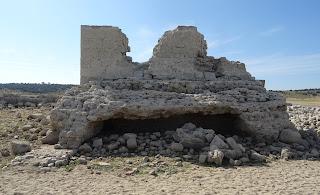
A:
188	143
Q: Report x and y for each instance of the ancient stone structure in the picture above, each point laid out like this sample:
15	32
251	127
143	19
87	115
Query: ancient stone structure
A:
179	84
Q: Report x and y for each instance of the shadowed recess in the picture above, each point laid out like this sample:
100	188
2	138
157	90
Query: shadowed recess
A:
226	124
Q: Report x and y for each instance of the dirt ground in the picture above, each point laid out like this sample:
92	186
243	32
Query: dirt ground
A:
278	177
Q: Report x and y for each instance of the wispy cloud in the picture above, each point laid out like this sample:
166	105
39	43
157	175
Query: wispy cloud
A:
278	64
221	42
271	31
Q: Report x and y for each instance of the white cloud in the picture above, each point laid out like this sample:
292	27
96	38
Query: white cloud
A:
271	31
278	64
221	42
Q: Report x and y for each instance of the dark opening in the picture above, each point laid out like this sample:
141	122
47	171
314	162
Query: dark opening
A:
225	124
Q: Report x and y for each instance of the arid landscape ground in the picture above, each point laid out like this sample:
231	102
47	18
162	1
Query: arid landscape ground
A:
136	175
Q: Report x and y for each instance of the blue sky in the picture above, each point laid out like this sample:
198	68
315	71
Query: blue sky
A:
278	40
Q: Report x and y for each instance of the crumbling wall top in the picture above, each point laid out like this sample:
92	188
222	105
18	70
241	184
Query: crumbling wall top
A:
103	54
180	54
182	42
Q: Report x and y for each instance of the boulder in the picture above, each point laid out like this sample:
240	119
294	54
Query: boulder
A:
216	157
217	141
192	142
127	136
255	156
177	147
97	143
85	148
132	143
285	154
52	137
20	147
290	136
203	158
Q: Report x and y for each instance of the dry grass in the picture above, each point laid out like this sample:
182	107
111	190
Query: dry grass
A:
304	101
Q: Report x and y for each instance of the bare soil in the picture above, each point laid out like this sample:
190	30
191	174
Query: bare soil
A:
279	177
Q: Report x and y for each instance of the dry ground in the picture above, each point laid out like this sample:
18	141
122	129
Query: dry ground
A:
279	177
302	99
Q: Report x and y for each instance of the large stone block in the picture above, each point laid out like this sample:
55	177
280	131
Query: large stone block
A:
103	54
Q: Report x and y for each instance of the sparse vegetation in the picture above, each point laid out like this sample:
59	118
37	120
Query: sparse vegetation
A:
305	97
36	87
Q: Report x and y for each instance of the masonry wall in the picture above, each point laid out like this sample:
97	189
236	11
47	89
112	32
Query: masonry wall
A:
103	54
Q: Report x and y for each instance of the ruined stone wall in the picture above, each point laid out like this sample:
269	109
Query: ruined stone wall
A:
103	54
179	80
180	54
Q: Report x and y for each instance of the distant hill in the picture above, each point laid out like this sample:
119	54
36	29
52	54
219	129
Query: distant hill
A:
301	92
36	87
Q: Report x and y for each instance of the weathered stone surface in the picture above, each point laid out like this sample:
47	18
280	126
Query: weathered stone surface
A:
20	147
52	137
132	143
217	141
216	157
179	79
103	54
177	147
290	136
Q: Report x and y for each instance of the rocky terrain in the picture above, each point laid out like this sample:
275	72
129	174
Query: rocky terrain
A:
200	156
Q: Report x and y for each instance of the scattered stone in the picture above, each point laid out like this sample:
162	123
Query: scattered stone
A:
20	147
189	126
132	143
97	143
177	147
123	149
203	158
85	148
192	142
217	141
216	157
314	153
131	172
26	127
57	146
82	161
52	137
4	152
290	136
209	137
36	116
113	146
255	156
285	154
127	136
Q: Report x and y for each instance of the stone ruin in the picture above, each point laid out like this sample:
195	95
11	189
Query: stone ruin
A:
178	84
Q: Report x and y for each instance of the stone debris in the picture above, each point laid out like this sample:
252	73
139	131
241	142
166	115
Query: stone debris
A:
19	147
290	136
215	156
234	150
